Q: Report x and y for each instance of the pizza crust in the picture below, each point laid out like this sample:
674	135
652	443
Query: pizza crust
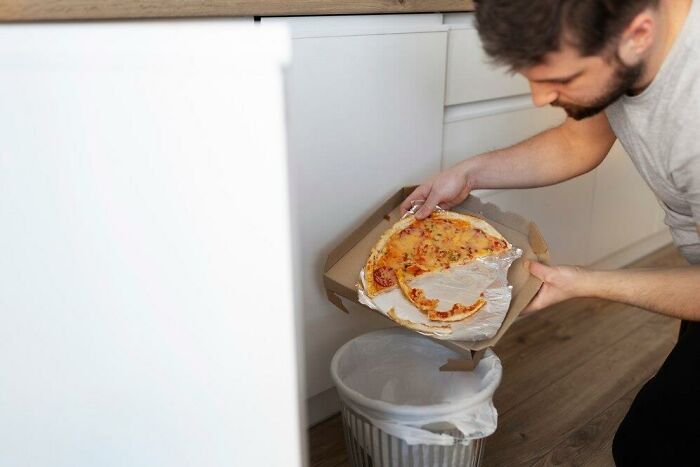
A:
462	312
420	301
418	326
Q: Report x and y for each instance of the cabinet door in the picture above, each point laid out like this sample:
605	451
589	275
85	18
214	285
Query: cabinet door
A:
470	76
126	287
625	210
365	118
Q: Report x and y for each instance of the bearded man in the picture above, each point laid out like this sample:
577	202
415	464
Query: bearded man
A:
627	70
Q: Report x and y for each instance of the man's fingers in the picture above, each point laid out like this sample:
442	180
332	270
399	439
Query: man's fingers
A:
419	193
536	302
429	205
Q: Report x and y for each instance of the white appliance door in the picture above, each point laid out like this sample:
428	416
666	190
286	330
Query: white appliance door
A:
144	245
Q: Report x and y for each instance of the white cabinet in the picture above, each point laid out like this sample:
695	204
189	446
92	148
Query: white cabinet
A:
562	212
131	157
471	133
625	210
365	110
470	76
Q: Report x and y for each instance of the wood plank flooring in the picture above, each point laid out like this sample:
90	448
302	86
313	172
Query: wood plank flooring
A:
569	375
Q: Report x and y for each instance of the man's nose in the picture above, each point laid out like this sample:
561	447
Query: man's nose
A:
542	94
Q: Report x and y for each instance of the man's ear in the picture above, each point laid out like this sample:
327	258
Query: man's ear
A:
637	38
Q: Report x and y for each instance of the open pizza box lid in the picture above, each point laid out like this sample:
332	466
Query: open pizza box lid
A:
341	272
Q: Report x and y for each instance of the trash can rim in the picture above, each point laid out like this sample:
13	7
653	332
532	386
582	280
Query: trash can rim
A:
407	410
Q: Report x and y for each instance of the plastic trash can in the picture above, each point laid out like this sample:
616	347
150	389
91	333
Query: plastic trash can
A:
398	409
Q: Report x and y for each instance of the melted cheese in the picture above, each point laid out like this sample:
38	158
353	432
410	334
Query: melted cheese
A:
436	244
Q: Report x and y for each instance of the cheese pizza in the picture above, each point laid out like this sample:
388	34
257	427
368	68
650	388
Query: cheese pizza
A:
412	248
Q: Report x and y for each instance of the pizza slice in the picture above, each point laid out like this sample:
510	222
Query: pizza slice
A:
415	295
458	311
442	329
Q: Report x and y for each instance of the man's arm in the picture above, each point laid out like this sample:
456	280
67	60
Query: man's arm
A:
671	291
555	155
561	153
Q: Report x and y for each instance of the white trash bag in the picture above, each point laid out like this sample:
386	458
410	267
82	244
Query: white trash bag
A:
391	378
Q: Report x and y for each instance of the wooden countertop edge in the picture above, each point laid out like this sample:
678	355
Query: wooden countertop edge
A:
54	10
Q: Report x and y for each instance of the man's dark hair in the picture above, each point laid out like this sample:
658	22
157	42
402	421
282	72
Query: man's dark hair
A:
519	33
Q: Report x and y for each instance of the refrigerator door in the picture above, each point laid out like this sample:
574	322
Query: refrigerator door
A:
145	246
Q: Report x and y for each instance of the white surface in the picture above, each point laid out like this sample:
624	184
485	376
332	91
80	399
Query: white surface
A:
470	76
497	124
472	136
365	118
562	212
635	251
459	112
131	161
625	210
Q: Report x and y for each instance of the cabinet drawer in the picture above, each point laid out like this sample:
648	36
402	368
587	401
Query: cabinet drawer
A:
473	136
470	77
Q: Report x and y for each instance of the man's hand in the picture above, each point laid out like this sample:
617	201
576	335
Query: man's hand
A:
560	283
669	291
448	188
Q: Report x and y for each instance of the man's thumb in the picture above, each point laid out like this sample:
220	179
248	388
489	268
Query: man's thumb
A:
538	269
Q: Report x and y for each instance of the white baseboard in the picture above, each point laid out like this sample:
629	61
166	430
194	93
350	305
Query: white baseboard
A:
632	253
322	406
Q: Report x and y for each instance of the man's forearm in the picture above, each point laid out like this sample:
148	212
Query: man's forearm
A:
550	157
537	161
673	292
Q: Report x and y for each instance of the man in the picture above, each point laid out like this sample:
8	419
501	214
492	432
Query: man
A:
620	69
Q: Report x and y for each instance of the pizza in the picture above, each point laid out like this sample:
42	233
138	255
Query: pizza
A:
412	248
431	329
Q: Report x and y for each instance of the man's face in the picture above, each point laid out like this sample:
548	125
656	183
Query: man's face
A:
582	86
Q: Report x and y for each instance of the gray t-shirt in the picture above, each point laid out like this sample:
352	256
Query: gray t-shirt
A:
658	129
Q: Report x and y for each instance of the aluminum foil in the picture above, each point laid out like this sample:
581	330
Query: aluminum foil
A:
459	284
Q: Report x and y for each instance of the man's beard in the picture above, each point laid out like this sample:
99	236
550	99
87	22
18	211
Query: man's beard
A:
622	82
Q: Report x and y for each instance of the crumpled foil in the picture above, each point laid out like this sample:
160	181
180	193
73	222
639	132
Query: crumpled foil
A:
459	284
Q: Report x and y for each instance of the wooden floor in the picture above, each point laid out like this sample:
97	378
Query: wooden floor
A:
569	375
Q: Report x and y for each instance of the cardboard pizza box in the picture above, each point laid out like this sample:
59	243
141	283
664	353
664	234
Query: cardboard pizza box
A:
343	265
